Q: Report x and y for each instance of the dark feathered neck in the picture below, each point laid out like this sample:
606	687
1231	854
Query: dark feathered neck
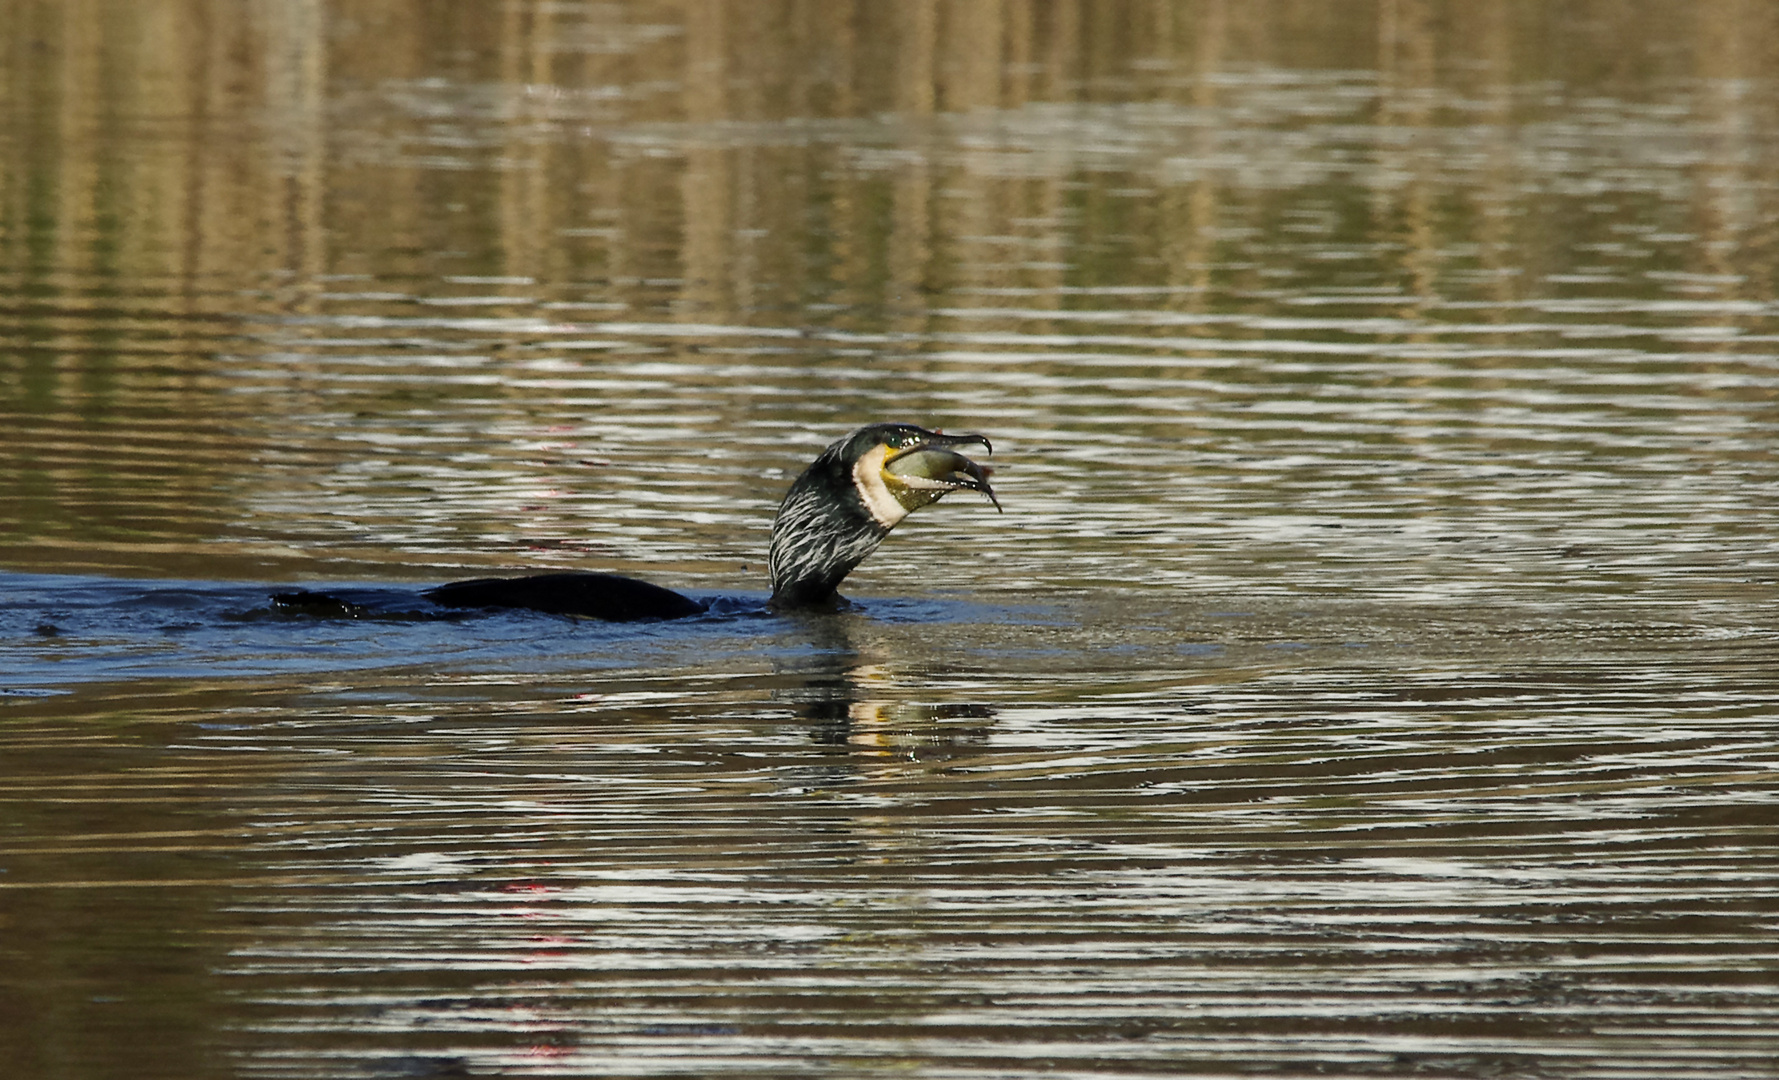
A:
822	531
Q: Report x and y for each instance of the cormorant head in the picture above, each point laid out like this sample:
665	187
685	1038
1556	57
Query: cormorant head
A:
851	496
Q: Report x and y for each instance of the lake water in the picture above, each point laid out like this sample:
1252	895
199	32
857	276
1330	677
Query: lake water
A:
1375	671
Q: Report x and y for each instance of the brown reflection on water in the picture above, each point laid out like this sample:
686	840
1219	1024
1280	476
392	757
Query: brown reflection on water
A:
873	850
1373	673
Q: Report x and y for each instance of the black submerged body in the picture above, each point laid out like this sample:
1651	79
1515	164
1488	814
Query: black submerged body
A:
611	597
835	514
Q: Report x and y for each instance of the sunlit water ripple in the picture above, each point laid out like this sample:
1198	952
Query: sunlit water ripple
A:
1373	673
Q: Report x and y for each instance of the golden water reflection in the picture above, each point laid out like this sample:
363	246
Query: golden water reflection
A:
231	232
1372	674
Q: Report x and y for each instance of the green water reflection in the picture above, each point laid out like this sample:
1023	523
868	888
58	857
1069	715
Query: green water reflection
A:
1373	671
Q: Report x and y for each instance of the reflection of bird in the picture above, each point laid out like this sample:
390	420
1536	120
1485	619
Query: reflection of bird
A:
835	514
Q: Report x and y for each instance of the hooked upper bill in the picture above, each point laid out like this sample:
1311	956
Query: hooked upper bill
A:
933	464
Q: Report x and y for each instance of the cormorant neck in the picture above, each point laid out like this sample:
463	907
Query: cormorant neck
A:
823	529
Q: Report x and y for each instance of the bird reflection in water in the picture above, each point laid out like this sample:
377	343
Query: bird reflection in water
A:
848	698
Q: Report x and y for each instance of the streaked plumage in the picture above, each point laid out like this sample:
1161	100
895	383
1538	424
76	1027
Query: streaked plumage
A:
848	500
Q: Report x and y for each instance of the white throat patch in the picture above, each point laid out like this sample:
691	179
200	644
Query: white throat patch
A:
867	477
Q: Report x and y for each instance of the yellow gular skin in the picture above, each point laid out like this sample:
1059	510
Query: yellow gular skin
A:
878	488
891	495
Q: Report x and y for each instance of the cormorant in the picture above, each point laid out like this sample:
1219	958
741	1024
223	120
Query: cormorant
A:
834	515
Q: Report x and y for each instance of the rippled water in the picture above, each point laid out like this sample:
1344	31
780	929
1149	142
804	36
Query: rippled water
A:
1375	671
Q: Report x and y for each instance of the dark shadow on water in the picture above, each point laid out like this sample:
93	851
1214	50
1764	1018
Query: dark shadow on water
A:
61	630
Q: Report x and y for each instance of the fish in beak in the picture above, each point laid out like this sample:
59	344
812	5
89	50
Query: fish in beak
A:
930	466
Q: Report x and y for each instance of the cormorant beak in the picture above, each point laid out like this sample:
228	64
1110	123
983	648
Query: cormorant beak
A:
933	464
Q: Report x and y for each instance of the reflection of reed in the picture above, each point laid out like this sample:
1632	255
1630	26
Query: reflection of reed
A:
1190	208
180	175
1405	81
255	186
1740	244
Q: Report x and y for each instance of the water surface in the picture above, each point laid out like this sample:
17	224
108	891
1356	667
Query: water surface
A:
1375	672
